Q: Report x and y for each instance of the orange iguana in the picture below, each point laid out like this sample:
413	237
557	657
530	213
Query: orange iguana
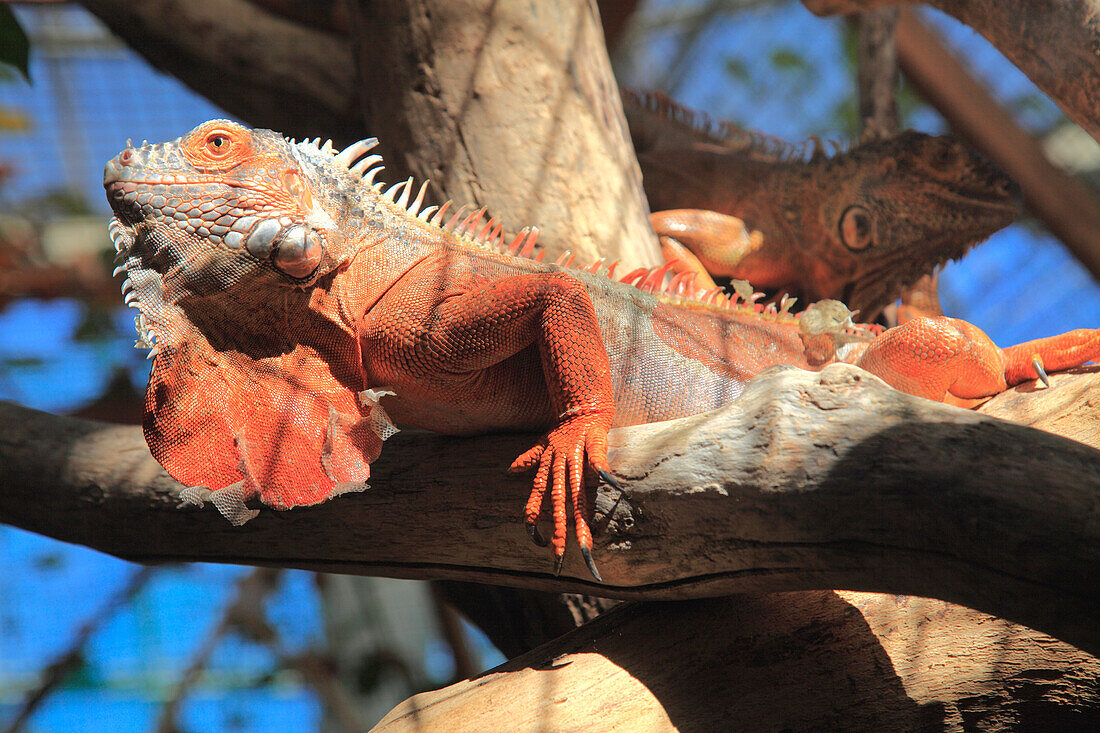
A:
294	306
859	226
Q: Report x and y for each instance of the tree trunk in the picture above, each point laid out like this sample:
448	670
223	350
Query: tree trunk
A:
447	77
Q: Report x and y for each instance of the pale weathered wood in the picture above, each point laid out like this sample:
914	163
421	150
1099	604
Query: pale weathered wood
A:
793	661
511	105
828	480
1070	408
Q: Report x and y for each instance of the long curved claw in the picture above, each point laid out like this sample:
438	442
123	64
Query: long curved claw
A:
536	535
609	479
558	560
1037	364
590	563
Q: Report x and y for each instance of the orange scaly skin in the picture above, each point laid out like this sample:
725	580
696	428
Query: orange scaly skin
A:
859	226
295	308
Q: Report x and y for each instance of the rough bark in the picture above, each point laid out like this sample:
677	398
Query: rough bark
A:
448	77
1068	408
827	480
794	661
877	72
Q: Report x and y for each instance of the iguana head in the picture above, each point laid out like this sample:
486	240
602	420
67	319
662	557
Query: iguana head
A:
893	209
232	240
225	206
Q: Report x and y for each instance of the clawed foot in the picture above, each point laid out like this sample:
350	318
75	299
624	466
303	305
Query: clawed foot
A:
561	458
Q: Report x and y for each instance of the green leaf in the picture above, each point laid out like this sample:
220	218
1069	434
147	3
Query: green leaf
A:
737	69
785	59
14	46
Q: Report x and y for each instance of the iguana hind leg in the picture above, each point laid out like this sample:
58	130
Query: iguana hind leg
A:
944	358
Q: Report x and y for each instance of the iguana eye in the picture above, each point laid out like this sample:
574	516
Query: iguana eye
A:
856	228
217	144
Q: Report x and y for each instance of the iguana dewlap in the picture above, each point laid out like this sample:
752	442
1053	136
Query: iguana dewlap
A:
294	307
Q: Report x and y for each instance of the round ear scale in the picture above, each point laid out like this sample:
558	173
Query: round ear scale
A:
857	229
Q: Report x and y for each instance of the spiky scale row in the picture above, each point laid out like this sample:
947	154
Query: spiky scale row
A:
726	133
474	229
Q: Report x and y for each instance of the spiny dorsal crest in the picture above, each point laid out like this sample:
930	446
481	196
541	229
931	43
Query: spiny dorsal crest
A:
728	135
472	229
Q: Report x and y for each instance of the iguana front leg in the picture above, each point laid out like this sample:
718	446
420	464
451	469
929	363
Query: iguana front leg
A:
459	355
709	243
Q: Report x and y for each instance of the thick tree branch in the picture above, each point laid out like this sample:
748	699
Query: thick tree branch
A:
297	80
1054	43
827	480
795	661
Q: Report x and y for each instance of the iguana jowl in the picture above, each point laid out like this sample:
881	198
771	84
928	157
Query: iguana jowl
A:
295	306
859	226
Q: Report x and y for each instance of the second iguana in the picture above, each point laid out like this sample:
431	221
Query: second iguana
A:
859	226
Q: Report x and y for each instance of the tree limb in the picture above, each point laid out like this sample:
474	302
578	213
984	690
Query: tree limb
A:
1054	43
828	480
814	660
299	80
